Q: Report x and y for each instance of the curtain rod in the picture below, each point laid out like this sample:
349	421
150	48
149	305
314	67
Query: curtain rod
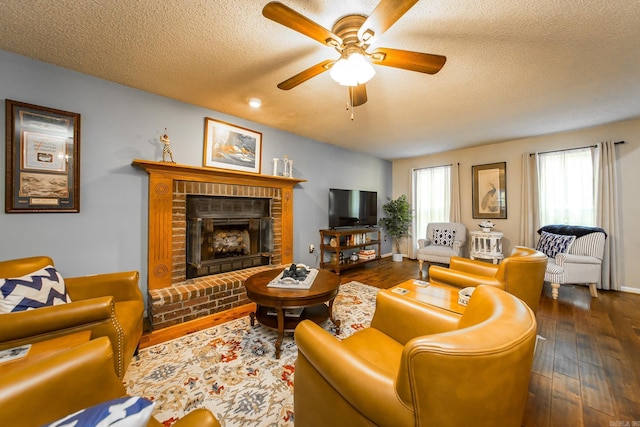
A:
569	149
432	167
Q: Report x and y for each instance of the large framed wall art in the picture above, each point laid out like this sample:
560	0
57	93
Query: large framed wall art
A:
490	191
42	159
228	146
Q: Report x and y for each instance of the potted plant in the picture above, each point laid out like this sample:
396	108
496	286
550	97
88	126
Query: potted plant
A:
397	222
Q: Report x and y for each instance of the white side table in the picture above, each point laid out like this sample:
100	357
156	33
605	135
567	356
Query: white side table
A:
486	245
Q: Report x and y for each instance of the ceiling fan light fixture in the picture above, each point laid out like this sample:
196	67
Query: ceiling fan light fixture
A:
352	71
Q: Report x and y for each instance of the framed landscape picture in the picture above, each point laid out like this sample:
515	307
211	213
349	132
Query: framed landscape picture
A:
490	191
42	159
228	146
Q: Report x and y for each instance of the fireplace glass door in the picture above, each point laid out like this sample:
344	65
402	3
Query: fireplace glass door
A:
238	236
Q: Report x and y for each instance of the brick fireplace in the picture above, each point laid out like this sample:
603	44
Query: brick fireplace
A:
173	298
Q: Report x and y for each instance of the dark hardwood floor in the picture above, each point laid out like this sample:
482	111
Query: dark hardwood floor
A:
586	370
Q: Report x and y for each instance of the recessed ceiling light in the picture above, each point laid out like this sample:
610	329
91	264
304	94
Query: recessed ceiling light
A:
255	103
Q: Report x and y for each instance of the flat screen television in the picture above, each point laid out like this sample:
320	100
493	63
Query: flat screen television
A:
352	208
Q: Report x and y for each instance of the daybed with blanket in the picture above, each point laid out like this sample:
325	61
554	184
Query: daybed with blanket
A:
575	255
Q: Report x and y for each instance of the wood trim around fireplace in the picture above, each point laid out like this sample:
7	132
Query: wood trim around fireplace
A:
162	179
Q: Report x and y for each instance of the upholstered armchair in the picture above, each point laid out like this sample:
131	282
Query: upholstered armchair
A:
77	378
108	305
575	256
443	240
419	365
521	274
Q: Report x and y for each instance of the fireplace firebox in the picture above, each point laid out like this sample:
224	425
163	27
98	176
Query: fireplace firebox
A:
227	234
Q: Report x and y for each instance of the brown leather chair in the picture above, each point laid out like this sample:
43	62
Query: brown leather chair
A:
520	274
78	378
419	365
106	304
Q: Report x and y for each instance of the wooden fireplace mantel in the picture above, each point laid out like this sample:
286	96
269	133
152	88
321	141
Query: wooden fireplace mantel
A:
161	188
195	173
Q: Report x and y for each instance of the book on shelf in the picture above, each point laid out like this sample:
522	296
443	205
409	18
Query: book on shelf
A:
367	252
357	239
288	312
366	257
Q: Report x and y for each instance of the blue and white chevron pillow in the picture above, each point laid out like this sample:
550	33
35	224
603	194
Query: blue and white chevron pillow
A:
122	412
553	244
41	288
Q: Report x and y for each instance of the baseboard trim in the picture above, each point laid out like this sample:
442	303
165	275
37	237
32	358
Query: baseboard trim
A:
630	290
186	328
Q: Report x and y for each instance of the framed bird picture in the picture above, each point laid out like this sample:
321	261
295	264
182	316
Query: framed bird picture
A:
490	191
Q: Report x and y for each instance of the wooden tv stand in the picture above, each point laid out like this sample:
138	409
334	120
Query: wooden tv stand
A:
346	241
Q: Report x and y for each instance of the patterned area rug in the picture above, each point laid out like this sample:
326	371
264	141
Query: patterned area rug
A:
231	368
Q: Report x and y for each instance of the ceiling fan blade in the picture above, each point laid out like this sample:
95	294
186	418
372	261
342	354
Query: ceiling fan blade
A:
358	95
386	13
288	17
407	60
305	75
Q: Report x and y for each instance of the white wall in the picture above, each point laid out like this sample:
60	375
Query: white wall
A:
512	151
120	124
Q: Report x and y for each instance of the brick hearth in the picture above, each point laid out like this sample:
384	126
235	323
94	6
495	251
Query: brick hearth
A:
172	298
199	297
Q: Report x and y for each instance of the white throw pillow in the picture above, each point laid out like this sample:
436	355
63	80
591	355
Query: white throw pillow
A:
443	236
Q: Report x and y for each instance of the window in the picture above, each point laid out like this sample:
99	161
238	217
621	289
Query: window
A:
567	187
432	196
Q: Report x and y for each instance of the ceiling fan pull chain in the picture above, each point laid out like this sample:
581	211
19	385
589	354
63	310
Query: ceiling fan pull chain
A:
350	103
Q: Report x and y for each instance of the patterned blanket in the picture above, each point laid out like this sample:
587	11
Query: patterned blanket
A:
571	230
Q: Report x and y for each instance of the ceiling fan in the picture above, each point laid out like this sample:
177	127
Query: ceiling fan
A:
351	36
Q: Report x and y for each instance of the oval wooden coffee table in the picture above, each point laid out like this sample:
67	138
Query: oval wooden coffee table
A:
274	303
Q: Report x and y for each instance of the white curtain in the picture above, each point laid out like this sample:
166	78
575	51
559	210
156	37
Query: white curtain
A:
607	203
455	214
566	187
432	188
529	217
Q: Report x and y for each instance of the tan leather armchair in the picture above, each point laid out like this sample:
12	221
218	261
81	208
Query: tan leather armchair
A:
108	305
78	378
520	274
419	365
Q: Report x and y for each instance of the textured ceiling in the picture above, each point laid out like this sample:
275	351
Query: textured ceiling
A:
515	68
